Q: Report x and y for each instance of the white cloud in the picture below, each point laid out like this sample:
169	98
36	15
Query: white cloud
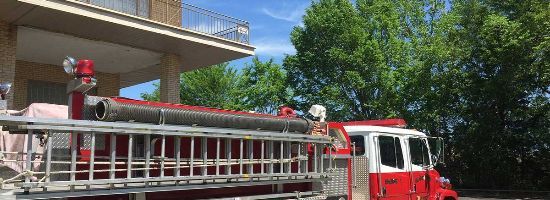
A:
273	47
290	13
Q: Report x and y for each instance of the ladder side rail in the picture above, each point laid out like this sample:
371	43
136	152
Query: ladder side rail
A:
167	178
274	136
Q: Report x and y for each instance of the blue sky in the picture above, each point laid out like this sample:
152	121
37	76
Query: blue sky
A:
271	22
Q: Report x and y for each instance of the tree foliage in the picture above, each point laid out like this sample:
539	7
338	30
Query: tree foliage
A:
259	86
264	86
215	86
475	72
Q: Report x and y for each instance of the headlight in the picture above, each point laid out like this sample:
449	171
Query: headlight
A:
69	64
445	183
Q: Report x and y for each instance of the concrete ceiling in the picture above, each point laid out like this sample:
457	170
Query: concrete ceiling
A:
40	46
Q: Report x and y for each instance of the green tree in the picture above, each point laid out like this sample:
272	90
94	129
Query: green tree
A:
259	86
504	103
215	86
264	86
353	58
475	72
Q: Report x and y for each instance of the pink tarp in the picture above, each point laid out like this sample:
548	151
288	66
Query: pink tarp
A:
17	142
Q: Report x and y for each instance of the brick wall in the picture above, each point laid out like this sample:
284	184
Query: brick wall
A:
8	44
170	78
107	84
166	11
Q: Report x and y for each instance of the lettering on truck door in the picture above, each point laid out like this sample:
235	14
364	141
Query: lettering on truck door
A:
392	177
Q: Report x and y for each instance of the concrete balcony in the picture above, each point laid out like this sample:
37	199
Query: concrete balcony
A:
125	37
186	16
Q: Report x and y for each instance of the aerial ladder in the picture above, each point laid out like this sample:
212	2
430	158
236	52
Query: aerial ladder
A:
150	150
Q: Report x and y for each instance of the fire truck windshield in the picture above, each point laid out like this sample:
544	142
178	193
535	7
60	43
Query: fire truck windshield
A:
419	152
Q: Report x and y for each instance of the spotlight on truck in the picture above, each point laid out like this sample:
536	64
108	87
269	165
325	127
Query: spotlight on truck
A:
4	89
69	64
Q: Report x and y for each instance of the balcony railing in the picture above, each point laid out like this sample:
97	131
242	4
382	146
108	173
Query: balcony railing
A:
177	13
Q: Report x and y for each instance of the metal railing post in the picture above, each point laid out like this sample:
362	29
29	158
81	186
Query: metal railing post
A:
217	156
241	157
92	160
204	153
130	152
48	158
112	160
315	166
74	136
354	184
28	160
177	155
192	156
282	157
162	155
250	149
262	157
299	152
228	156
147	144
289	157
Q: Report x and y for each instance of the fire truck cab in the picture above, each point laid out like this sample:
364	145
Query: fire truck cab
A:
400	163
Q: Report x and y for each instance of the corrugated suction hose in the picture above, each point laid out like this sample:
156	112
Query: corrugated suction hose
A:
111	110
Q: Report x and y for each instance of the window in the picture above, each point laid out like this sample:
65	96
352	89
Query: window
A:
391	153
419	152
339	138
359	144
50	92
47	92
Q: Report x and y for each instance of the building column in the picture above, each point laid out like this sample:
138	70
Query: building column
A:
8	44
167	11
170	66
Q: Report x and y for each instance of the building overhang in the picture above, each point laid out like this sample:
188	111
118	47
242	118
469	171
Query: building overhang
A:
72	18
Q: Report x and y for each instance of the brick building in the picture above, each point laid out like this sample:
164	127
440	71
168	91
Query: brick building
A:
131	42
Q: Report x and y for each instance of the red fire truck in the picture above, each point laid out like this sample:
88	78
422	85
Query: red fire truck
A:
117	148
